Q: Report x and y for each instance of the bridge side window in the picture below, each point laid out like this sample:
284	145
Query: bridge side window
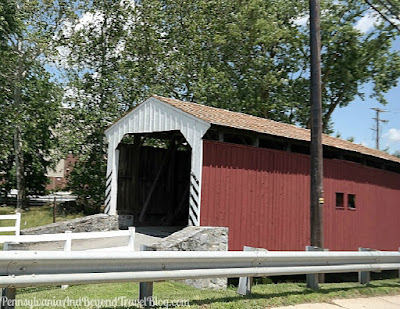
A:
352	201
339	200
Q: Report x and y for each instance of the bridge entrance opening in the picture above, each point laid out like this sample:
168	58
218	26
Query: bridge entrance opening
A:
154	179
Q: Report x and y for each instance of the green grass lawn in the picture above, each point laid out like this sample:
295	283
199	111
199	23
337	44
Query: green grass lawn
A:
264	295
35	216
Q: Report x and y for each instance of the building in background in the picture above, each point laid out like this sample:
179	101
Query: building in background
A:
58	176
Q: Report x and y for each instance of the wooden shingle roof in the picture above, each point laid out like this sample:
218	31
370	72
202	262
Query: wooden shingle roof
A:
222	117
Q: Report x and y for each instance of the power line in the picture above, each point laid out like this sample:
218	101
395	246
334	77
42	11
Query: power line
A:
382	15
394	6
378	121
389	8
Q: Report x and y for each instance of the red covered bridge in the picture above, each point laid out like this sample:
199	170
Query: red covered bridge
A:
177	163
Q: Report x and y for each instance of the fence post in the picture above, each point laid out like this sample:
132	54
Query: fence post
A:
54	209
18	224
364	277
146	288
131	241
312	279
67	247
245	283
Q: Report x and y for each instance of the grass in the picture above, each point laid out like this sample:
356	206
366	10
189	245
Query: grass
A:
263	296
35	216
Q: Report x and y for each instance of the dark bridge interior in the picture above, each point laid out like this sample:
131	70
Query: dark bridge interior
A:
154	179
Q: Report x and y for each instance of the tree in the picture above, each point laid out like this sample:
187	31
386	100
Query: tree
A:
252	56
247	56
8	25
94	100
31	100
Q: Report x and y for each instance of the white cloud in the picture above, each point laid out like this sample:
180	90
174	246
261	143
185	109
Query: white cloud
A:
395	21
364	143
90	20
63	52
393	135
301	21
368	21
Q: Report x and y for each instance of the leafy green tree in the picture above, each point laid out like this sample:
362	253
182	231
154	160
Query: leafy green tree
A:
8	24
30	98
253	56
247	56
94	100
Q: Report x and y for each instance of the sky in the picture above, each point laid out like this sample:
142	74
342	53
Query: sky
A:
356	120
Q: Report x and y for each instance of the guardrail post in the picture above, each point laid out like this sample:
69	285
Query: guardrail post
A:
7	294
8	298
146	288
67	247
131	241
245	283
312	279
364	277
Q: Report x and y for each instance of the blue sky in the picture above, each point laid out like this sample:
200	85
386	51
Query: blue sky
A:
356	120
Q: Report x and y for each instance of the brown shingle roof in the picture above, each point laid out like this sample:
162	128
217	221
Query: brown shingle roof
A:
242	121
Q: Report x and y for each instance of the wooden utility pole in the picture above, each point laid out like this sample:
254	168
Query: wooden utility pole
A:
316	194
378	121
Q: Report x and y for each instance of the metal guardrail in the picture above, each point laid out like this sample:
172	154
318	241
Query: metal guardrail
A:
22	269
43	268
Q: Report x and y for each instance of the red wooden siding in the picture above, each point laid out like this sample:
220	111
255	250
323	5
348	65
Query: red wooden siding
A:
262	195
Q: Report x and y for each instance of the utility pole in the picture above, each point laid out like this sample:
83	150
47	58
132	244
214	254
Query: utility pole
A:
378	121
316	193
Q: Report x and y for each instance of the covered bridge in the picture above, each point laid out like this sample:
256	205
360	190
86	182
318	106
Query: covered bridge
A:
178	163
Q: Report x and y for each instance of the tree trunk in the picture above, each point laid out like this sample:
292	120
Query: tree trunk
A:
18	151
19	170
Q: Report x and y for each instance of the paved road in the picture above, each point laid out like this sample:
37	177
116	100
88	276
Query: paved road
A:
382	302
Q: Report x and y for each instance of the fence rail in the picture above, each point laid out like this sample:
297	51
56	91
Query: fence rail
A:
68	236
15	227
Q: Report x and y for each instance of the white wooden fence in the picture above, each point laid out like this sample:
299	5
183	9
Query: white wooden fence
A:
13	228
67	237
